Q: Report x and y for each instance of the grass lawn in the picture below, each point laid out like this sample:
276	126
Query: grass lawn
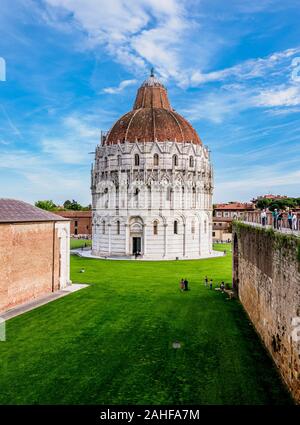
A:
112	342
78	243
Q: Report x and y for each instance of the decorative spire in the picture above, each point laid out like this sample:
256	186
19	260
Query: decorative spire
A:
152	72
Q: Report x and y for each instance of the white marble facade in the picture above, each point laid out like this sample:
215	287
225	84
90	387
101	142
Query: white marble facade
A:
155	198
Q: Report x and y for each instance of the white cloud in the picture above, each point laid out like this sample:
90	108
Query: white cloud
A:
279	96
249	69
120	87
77	139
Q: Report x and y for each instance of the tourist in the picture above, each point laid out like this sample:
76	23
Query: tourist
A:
182	284
263	217
186	285
279	220
290	219
275	216
222	286
206	281
211	284
294	221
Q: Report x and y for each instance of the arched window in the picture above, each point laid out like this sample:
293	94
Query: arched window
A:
119	160
106	162
118	227
103	227
155	227
175	160
175	227
136	159
191	161
155	159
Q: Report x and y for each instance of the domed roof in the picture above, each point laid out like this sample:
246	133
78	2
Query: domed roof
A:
152	118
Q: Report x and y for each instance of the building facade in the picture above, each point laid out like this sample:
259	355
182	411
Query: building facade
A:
80	222
152	184
34	253
224	214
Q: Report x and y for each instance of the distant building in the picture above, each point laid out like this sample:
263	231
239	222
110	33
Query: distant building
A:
81	222
34	253
269	196
224	214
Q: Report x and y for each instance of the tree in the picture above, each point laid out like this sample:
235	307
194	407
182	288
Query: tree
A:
263	203
74	205
46	205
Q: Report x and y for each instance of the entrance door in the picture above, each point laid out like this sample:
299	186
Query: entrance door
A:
136	245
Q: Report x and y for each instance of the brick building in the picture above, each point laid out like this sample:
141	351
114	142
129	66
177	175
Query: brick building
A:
81	222
224	214
34	253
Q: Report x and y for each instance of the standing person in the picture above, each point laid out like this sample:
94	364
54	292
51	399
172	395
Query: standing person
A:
222	286
290	219
206	281
182	284
211	284
294	221
275	215
186	285
263	217
279	220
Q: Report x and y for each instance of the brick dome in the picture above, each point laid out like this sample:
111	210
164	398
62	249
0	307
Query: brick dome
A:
152	118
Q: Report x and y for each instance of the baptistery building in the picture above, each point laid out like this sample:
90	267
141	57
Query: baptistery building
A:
152	184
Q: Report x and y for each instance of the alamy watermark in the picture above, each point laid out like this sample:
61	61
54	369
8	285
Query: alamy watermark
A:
2	69
2	329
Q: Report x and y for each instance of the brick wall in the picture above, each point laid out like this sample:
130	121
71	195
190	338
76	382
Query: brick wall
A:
81	222
267	272
26	261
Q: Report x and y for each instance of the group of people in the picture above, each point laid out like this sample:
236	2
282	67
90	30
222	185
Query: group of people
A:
210	284
184	285
278	217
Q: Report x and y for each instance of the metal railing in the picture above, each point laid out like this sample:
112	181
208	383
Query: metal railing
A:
283	225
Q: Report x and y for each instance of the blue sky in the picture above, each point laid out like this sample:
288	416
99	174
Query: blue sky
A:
73	67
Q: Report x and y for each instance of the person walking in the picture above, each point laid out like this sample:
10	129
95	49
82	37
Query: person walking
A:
263	217
222	286
211	284
206	281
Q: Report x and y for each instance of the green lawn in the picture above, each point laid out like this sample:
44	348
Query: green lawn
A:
112	342
78	243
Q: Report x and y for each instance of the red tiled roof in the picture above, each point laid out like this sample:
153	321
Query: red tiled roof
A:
73	214
14	211
152	118
234	206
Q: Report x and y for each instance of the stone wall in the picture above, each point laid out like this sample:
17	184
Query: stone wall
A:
29	258
266	272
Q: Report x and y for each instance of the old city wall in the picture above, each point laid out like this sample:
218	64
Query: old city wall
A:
266	271
29	265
